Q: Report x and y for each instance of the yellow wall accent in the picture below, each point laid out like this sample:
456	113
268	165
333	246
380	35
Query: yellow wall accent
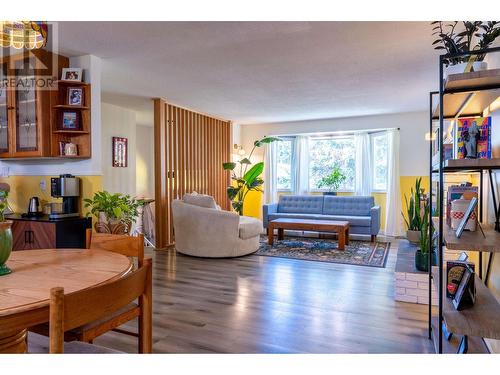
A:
22	188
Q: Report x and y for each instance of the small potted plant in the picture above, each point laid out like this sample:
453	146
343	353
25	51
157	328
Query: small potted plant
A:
422	253
5	235
414	212
115	213
333	181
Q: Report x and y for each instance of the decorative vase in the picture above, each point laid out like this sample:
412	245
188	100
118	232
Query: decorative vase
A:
422	260
5	246
111	226
413	236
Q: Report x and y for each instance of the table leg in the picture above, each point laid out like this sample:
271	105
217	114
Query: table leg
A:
342	240
281	234
347	236
270	234
13	342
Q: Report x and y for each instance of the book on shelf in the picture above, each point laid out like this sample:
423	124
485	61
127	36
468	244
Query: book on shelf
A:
459	192
463	126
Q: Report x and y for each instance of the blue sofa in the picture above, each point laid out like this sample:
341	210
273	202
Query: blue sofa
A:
361	213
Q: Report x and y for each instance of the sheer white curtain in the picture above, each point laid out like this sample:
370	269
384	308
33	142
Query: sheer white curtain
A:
363	164
300	165
393	220
271	175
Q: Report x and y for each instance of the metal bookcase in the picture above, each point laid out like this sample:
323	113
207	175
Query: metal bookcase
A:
474	324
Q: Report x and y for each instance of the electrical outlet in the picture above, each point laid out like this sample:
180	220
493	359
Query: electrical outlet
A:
43	185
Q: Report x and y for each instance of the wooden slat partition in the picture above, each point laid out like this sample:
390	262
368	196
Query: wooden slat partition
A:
190	148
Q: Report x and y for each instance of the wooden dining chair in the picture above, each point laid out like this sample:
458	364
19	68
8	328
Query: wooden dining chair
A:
69	311
128	246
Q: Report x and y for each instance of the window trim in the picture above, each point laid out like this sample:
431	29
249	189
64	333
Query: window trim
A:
372	151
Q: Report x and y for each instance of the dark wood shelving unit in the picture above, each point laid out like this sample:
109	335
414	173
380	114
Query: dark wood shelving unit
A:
81	136
463	95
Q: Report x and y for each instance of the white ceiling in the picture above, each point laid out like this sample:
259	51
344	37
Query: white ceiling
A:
254	72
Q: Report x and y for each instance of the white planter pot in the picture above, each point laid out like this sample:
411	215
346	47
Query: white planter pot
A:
460	68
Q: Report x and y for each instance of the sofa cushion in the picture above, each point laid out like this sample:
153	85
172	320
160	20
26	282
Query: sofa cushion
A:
348	206
301	204
361	221
200	200
249	227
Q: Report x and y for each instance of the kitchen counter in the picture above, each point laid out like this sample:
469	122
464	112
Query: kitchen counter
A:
16	216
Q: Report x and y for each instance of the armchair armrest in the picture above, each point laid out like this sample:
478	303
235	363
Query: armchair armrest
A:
375	220
267	209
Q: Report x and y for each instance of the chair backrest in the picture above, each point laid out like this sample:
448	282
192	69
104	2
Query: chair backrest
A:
68	311
117	243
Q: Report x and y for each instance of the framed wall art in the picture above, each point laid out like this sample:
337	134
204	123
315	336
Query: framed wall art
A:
120	152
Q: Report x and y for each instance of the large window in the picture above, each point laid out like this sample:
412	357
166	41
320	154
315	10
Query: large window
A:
284	160
379	149
324	153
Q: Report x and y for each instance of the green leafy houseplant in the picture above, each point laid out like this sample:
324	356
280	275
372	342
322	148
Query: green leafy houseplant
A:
5	235
118	210
334	180
244	179
422	254
414	213
474	35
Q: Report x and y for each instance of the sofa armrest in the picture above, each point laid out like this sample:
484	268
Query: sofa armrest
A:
375	220
267	209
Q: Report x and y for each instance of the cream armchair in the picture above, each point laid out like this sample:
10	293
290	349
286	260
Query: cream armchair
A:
213	233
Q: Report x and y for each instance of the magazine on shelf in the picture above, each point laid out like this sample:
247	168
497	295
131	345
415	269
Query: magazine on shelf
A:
484	141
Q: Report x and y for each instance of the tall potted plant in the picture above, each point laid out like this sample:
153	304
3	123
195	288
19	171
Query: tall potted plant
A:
414	212
454	37
115	213
333	181
5	235
244	179
422	253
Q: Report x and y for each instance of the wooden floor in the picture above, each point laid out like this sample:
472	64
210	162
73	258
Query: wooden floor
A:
257	304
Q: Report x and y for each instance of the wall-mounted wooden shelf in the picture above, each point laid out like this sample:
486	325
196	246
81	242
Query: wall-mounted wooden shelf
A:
67	106
70	132
480	320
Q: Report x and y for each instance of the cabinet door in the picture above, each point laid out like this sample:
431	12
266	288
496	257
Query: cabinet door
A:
21	235
43	235
4	113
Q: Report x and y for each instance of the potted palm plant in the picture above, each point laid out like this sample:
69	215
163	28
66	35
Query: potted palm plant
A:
5	235
333	181
115	213
422	253
414	212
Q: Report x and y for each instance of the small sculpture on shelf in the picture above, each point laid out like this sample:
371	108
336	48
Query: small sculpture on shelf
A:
471	138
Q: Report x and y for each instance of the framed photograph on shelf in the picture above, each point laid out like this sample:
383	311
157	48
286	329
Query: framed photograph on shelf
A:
72	74
120	152
467	214
75	96
70	120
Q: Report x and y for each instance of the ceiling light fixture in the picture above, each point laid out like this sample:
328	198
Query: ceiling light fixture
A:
23	34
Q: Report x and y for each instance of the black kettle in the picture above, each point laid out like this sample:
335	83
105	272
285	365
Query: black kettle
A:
34	206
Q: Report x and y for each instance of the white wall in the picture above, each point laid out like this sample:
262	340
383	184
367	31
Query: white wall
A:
414	155
91	66
145	183
118	122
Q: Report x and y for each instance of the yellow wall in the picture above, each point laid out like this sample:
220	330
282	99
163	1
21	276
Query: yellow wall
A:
22	188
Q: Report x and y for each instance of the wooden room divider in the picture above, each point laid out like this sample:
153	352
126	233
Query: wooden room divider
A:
190	148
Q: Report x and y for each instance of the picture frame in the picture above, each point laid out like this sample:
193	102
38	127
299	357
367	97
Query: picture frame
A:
72	74
468	212
120	152
466	291
75	96
70	120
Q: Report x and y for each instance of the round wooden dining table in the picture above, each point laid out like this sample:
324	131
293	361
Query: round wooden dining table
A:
24	294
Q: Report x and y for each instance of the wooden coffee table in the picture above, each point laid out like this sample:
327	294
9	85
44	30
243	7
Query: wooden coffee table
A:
340	227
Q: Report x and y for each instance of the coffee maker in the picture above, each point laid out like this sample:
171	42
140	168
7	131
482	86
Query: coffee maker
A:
67	187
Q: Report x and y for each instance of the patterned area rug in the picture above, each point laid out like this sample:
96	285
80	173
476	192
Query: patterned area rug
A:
360	253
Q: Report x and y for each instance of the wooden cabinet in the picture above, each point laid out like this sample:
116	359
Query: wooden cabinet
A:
30	234
32	103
